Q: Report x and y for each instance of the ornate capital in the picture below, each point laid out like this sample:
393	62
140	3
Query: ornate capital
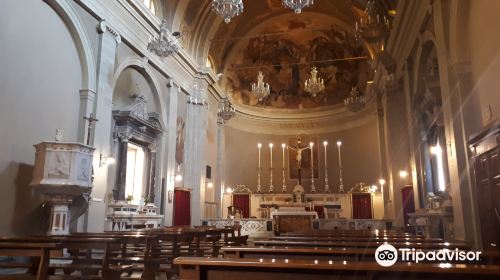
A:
122	135
103	27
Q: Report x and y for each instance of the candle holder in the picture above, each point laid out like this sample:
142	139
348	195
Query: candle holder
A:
327	187
259	187
283	186
313	187
271	187
341	184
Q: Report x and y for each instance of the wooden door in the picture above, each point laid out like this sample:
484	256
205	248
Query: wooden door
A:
362	206
487	171
182	208
408	202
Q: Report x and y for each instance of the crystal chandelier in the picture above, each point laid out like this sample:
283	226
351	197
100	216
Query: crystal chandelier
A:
297	5
226	110
227	8
355	101
314	85
261	89
371	26
166	44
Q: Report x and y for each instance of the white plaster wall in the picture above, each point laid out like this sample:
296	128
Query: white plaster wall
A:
40	79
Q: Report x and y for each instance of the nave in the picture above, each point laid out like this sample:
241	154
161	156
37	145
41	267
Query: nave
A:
249	139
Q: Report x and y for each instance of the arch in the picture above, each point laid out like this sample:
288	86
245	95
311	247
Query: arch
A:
70	17
142	67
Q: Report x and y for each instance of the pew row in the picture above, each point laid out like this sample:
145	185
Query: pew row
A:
194	268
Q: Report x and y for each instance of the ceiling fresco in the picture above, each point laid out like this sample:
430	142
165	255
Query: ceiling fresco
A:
285	52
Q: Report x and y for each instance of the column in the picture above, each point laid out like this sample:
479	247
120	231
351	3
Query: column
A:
195	144
121	162
108	41
219	180
170	146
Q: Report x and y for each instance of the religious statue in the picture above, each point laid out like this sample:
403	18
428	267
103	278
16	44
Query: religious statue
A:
298	194
299	148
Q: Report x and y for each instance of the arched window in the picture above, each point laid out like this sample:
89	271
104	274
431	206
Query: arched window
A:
150	4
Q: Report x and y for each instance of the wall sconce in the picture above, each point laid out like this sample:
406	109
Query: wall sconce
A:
210	185
178	175
403	174
229	190
104	160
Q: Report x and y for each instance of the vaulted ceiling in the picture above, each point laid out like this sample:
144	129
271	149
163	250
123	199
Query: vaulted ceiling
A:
283	45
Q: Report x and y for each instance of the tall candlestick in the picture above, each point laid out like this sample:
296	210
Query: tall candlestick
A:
271	187
283	186
327	188
259	188
313	187
341	185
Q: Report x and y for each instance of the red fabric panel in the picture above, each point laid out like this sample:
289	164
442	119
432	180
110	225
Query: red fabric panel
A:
362	206
242	201
319	210
408	202
182	208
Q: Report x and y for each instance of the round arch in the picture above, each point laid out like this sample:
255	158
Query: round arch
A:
143	68
70	17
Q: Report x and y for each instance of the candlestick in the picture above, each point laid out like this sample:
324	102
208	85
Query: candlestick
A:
341	185
271	187
327	188
283	186
259	169
313	187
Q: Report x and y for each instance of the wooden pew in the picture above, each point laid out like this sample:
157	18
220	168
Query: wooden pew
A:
194	268
357	238
361	244
349	254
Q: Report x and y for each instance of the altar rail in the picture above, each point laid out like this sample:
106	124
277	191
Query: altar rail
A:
258	228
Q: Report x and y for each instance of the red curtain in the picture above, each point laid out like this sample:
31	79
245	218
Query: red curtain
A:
362	206
182	208
408	202
242	201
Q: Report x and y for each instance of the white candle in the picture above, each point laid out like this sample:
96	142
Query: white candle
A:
325	144
259	146
283	156
312	158
271	149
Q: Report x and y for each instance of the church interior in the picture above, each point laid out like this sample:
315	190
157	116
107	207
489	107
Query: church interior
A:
249	139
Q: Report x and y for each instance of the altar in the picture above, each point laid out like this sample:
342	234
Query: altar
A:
295	220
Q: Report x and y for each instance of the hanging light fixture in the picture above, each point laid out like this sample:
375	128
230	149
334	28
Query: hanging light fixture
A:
314	85
227	8
261	89
297	5
372	26
355	101
226	110
166	44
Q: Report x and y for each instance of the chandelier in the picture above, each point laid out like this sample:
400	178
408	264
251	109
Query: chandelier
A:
227	8
314	85
355	101
261	89
166	44
297	5
371	26
226	110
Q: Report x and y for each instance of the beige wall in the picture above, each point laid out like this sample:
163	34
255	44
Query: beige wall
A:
40	79
359	155
484	47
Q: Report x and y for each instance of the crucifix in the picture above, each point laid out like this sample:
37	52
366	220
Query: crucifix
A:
92	120
299	148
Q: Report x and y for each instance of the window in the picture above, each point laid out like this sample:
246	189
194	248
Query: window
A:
150	4
135	172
